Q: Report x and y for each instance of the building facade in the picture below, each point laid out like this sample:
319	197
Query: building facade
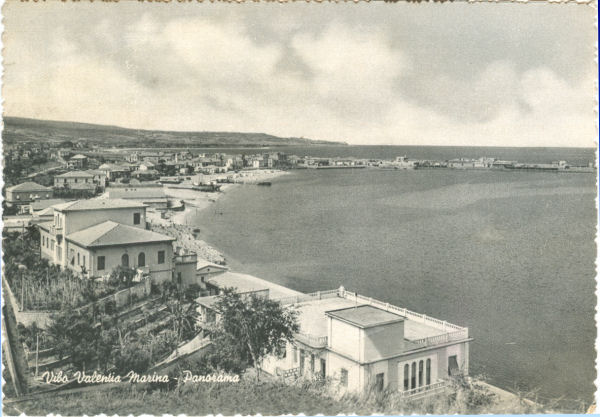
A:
360	343
27	192
94	236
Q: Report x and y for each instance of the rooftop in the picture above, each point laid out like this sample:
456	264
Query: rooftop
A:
203	263
28	187
79	156
314	310
365	316
208	301
75	174
110	233
133	192
97	204
43	204
247	283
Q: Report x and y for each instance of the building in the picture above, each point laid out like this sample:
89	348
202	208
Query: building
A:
77	162
205	269
94	236
69	179
114	171
27	192
41	207
361	343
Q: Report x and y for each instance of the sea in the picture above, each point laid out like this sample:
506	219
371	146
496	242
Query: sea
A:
510	254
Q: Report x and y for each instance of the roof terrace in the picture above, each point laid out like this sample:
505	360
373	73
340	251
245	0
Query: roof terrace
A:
420	330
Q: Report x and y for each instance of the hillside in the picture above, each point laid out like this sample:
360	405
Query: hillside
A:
18	129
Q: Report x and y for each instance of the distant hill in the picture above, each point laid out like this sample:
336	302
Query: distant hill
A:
17	129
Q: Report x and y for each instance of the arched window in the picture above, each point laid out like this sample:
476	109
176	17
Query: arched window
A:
125	260
406	376
420	373
428	372
141	259
413	376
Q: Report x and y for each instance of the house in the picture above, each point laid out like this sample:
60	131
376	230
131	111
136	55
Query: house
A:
26	193
68	179
150	196
77	162
146	165
205	270
114	171
94	236
362	343
148	174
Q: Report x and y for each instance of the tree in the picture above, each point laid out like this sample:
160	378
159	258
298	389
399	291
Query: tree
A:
74	334
253	327
183	319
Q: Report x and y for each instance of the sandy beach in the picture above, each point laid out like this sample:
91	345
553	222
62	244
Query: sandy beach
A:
174	223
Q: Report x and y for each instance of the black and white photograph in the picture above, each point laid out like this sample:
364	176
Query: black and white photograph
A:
299	207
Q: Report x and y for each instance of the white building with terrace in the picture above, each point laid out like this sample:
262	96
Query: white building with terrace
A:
361	343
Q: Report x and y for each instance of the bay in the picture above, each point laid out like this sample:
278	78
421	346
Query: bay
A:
508	254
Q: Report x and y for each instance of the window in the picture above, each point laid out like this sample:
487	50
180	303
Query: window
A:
428	372
52	245
101	263
420	373
406	377
58	251
295	354
125	260
136	218
83	262
413	376
312	363
78	260
142	259
344	377
161	257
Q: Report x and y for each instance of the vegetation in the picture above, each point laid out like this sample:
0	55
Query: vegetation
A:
272	397
252	327
40	285
42	131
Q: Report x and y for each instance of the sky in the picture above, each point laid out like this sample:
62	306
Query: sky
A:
481	74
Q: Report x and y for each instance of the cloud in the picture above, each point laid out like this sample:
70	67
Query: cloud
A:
334	81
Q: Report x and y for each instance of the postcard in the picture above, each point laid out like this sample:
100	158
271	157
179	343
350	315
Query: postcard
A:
285	208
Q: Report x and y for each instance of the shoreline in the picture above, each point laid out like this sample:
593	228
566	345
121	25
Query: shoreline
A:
177	224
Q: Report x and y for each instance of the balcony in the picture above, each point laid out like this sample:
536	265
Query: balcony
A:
56	231
312	341
185	258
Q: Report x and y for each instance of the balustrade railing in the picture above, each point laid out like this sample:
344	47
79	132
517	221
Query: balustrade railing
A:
452	332
426	390
310	340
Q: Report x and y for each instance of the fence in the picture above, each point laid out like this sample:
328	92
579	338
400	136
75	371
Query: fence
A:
319	295
424	391
429	321
310	340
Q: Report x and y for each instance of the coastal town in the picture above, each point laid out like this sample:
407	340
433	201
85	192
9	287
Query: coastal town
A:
99	237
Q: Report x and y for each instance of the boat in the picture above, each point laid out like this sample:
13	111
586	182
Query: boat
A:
265	183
